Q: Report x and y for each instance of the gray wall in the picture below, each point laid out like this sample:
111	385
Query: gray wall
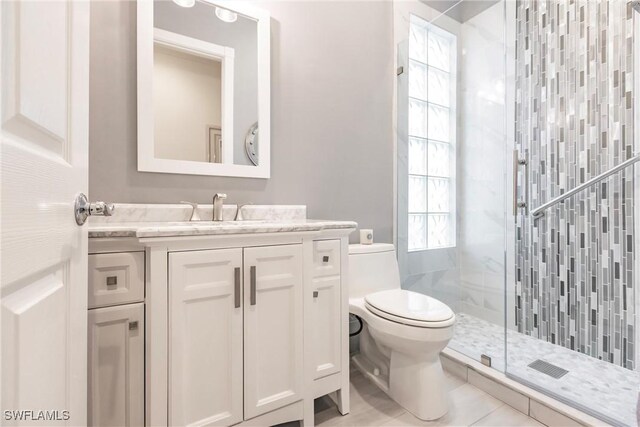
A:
331	111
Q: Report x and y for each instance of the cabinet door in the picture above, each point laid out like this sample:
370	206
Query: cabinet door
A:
326	326
116	366
273	371
205	337
326	312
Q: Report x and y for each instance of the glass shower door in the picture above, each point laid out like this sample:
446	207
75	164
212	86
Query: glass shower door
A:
575	330
451	156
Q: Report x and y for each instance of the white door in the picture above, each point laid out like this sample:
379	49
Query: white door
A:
205	338
273	328
116	366
45	100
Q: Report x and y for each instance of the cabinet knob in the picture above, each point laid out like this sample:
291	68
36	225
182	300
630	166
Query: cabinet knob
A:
133	325
112	280
315	294
325	258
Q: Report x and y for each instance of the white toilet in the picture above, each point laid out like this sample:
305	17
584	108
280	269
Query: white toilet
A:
403	332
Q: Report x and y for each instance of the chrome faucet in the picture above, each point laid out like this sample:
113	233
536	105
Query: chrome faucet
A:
194	211
239	216
218	201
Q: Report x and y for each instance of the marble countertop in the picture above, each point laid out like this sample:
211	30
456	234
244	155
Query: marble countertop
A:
149	220
201	228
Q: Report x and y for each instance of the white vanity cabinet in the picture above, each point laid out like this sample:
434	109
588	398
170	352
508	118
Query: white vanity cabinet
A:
239	329
326	317
116	339
326	308
235	336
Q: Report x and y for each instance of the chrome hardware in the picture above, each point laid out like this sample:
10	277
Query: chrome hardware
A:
238	216
486	360
539	211
133	325
236	282
515	182
83	209
252	283
218	201
325	258
194	211
112	280
518	204
315	294
399	70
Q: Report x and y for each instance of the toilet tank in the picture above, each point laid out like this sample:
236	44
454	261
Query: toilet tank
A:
372	268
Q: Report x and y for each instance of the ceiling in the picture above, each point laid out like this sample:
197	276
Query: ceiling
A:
460	10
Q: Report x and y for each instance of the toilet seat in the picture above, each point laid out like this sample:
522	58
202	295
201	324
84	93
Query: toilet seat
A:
410	308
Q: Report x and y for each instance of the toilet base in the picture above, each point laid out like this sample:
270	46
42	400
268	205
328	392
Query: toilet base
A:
418	386
415	383
370	372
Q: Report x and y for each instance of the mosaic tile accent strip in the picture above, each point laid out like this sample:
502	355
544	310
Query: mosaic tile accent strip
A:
574	120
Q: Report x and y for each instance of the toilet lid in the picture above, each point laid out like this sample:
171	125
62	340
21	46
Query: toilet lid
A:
410	305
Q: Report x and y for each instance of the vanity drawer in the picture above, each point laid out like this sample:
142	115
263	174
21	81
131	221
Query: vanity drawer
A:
116	278
326	258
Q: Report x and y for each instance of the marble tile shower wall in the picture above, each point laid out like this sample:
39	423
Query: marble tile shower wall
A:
574	119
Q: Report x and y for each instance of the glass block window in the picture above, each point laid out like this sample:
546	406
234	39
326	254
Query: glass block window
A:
432	94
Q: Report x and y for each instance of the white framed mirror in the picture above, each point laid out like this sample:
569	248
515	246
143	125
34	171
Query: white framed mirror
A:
203	88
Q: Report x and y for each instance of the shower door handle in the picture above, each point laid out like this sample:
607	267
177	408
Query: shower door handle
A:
517	162
514	165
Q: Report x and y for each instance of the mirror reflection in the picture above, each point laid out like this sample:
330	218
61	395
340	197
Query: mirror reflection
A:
205	80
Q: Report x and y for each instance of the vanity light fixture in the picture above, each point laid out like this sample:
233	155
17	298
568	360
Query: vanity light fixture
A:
185	3
225	14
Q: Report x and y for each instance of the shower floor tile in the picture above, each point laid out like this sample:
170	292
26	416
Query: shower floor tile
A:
592	384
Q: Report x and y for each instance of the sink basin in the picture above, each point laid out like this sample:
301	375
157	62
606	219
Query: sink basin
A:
213	223
238	223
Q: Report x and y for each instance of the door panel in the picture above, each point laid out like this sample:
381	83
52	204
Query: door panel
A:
273	328
36	48
205	338
45	97
116	366
23	312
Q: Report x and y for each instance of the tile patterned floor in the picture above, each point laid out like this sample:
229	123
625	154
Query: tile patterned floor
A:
370	406
591	383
